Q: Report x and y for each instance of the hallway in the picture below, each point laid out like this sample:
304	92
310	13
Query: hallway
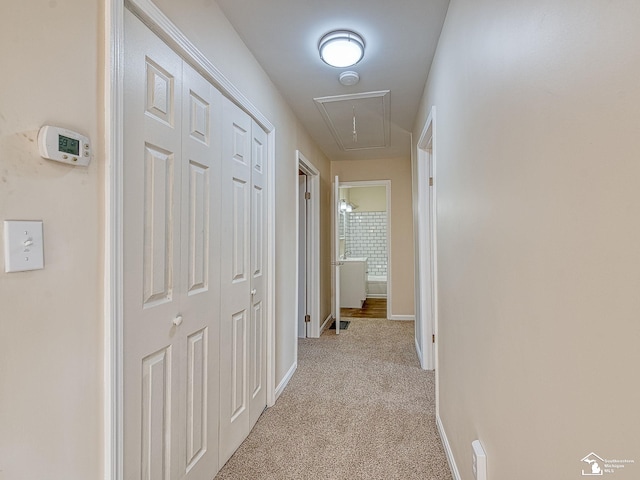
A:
358	407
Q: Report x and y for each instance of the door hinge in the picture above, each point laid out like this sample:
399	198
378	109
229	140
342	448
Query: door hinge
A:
433	338
307	195
307	318
431	181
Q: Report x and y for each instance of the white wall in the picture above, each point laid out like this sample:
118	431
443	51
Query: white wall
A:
538	148
50	323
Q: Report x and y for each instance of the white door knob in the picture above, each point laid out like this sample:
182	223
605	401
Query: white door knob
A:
177	321
254	291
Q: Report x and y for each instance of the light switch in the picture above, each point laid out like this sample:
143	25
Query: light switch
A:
23	246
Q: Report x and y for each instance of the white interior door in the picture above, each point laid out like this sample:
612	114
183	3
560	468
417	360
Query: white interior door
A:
302	255
432	258
171	294
336	249
242	352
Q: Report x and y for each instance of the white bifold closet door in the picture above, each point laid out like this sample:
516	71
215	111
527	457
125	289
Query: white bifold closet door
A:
171	263
242	348
194	228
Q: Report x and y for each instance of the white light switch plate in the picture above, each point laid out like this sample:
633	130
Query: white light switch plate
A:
23	246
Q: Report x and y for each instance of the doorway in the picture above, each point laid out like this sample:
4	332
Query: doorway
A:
308	249
426	248
365	246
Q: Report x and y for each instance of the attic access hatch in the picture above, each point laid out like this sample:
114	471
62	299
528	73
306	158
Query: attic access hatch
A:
359	121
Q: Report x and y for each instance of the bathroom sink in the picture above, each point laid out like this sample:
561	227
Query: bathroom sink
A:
355	259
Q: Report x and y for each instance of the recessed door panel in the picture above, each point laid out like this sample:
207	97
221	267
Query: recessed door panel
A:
240	141
199	118
158	225
255	346
238	364
197	396
156	416
239	230
160	98
258	154
199	205
257	232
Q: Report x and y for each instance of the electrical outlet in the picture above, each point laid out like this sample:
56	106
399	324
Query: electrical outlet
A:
479	464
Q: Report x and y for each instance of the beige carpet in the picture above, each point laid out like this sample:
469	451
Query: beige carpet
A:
358	407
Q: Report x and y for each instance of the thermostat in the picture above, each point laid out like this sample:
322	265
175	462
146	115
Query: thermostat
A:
64	146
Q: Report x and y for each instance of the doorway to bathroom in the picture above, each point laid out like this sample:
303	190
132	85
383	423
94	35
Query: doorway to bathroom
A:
364	242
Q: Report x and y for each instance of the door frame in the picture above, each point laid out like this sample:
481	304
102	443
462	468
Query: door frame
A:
313	244
426	247
387	185
113	51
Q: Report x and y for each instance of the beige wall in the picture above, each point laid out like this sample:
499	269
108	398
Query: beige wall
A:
50	320
51	357
538	160
369	199
398	170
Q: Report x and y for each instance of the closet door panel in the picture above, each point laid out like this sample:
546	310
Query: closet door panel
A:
151	229
257	350
236	279
200	261
171	263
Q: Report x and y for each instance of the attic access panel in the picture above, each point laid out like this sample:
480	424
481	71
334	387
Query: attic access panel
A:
371	112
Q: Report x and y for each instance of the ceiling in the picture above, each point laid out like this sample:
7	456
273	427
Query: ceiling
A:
401	38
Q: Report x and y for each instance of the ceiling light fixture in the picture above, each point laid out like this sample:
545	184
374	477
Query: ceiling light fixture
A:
341	48
345	206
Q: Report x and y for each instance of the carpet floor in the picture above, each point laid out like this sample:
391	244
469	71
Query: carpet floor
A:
358	407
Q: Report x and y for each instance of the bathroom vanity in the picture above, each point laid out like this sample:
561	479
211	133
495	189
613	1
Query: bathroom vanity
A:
353	282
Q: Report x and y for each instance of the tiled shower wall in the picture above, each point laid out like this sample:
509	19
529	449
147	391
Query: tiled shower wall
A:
366	236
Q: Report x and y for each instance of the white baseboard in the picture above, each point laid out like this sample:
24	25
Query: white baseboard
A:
326	323
447	450
402	317
280	388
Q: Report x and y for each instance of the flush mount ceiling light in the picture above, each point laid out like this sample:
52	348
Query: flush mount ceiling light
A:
341	48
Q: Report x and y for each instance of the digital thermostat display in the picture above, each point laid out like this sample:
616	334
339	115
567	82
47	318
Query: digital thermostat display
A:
68	145
64	146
